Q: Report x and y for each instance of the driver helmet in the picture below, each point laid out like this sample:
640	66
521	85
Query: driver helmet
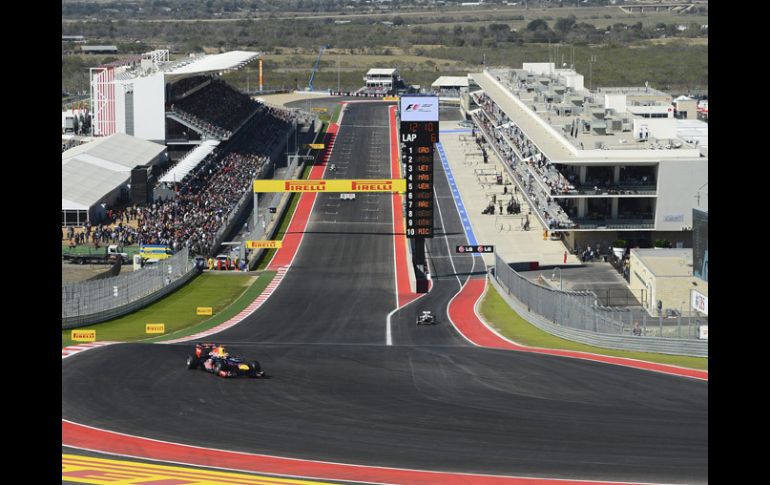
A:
220	352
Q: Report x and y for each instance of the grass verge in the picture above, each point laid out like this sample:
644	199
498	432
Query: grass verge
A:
502	318
335	115
226	294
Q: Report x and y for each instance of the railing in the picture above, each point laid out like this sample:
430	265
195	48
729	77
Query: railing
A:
95	301
578	316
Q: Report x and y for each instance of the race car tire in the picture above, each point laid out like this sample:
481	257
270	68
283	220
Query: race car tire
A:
254	368
192	362
217	367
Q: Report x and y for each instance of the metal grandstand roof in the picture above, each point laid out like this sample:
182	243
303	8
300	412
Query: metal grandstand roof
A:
380	72
450	81
218	62
93	170
190	161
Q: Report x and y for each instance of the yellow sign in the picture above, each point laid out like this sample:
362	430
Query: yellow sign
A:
263	244
316	146
155	328
390	98
336	186
320	110
83	336
205	310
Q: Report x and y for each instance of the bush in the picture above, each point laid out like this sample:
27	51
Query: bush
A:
619	243
662	243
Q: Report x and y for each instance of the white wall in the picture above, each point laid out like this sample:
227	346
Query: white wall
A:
662	128
120	106
574	81
149	108
539	67
678	183
616	102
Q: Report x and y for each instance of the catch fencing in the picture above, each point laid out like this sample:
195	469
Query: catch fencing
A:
95	301
578	315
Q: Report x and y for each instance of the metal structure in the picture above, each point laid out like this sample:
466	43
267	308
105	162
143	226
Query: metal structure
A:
103	100
315	67
580	311
96	301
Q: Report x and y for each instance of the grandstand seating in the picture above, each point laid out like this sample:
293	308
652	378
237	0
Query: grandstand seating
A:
217	105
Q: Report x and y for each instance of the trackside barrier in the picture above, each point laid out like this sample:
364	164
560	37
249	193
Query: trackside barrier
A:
96	301
576	316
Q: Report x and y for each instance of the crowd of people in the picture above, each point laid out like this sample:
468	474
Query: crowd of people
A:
119	232
204	200
526	165
217	107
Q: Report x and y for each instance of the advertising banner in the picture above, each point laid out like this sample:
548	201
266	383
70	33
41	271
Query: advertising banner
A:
419	108
155	328
83	336
335	186
263	244
700	302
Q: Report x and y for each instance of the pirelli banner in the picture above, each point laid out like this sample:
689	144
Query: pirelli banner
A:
332	186
264	244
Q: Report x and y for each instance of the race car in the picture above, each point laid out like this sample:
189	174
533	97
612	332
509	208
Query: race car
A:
215	359
426	318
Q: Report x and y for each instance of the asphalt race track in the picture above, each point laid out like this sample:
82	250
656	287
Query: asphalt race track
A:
432	401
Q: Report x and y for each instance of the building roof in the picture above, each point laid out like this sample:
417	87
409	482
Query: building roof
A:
190	161
380	72
546	128
450	81
666	262
98	47
544	139
93	170
218	62
693	131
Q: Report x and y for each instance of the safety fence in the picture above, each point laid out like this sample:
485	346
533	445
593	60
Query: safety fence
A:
577	315
95	301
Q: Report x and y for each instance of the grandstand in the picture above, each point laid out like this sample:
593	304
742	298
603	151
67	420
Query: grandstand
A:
136	96
604	165
382	82
227	140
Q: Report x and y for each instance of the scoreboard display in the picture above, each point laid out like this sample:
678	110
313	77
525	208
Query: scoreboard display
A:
419	134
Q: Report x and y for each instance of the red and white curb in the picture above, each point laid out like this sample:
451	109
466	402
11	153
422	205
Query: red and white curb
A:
254	306
76	349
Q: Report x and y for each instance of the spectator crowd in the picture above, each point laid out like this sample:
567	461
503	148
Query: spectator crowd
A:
205	198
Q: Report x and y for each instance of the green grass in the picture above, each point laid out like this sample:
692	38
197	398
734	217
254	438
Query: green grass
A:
227	294
335	115
496	311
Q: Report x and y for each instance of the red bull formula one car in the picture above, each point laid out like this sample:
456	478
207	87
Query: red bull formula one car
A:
215	359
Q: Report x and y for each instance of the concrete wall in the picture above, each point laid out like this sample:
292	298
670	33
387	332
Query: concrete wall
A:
662	128
150	108
672	291
539	67
678	182
616	102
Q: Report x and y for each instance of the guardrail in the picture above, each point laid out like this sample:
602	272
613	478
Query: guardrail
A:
96	301
576	316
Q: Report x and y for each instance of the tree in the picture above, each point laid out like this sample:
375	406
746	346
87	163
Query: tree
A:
537	24
565	25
